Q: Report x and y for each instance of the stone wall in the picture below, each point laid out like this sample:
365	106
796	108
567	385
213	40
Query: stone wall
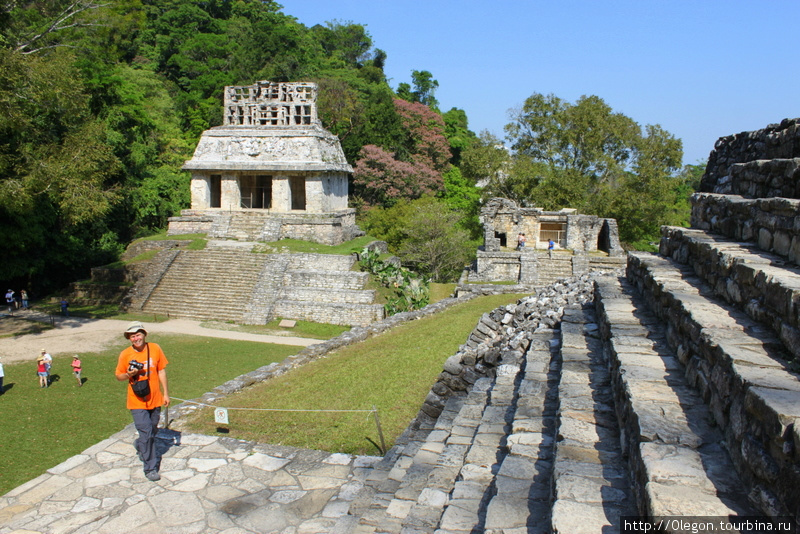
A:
762	179
96	294
751	396
508	328
777	141
326	312
329	229
772	223
255	225
535	268
503	221
496	267
138	248
188	223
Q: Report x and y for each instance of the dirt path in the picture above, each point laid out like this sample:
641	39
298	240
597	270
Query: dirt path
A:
74	334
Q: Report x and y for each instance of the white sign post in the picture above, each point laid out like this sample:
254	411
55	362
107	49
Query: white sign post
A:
221	416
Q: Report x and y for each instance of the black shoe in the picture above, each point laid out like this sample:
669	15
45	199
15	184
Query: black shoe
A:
152	475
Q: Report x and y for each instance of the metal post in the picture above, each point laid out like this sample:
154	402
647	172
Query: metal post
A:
380	431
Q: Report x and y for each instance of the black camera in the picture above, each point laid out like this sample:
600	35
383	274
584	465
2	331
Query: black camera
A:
134	365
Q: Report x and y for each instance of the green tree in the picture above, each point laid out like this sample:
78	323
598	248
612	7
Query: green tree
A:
588	157
30	29
462	196
57	174
424	88
346	40
458	134
426	234
411	169
486	161
437	246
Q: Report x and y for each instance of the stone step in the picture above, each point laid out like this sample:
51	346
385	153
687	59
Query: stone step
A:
395	493
315	295
471	505
209	284
252	227
327	262
591	487
407	445
326	279
445	482
767	222
677	451
339	313
522	483
231	283
759	283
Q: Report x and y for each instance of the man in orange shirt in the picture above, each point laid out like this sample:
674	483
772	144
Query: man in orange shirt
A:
139	363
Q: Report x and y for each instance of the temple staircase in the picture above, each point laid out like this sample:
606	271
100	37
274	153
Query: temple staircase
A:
673	394
227	282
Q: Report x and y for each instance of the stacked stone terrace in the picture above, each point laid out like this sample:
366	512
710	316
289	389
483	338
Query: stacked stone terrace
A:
669	391
228	282
675	394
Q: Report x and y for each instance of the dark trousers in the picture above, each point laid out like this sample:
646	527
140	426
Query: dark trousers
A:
146	422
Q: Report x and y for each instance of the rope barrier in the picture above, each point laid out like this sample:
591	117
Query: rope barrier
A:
373	411
272	409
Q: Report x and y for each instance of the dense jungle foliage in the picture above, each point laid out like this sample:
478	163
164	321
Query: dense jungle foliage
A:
101	103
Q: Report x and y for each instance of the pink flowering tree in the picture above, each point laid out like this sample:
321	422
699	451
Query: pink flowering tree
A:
411	171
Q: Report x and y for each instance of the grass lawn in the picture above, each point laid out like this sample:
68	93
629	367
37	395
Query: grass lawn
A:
393	371
41	428
297	245
301	329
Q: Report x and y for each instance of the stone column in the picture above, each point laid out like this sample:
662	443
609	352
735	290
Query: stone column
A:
316	198
200	191
281	196
231	198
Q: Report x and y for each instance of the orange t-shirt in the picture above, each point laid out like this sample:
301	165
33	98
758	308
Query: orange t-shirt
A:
157	362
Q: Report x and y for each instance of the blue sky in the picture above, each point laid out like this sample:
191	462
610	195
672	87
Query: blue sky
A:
701	69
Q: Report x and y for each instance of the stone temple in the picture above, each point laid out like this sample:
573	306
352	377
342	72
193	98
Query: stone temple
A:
582	243
271	171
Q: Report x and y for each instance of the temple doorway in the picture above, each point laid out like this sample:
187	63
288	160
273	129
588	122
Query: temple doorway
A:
256	191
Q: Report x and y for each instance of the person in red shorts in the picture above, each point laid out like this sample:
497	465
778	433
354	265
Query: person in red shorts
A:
138	364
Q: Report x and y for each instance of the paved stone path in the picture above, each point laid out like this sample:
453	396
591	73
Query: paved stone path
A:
77	334
208	485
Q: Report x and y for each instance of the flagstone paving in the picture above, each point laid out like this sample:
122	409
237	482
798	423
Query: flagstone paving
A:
208	485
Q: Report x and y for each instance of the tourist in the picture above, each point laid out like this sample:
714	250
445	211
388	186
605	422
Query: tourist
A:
64	307
76	368
24	295
550	246
2	375
41	372
521	241
10	300
48	362
144	364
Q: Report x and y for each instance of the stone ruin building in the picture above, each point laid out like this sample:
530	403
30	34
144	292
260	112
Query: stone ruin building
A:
668	395
271	171
582	242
